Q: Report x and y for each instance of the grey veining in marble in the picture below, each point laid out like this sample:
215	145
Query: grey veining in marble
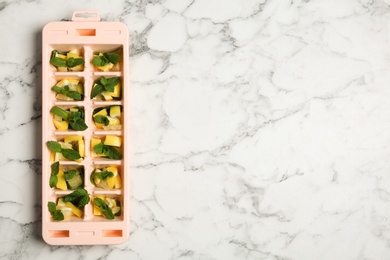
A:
260	129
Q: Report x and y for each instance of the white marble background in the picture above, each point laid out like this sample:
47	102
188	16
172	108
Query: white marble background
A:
261	129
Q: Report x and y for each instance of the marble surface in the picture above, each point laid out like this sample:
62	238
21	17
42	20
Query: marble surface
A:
261	129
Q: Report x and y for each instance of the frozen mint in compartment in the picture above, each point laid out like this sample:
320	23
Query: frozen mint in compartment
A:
68	89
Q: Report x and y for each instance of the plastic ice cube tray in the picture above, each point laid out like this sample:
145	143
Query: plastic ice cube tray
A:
87	34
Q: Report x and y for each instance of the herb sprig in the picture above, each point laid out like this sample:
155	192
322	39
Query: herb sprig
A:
69	154
104	84
79	198
65	91
56	214
109	151
107	57
55	167
101	175
60	62
104	208
75	119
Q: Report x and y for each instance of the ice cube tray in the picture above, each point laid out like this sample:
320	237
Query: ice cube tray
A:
87	34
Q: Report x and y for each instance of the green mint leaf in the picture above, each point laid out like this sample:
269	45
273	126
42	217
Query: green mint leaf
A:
58	62
111	83
57	89
51	206
78	125
55	213
103	80
101	120
60	112
111	152
99	61
99	148
75	95
107	212
70	174
101	175
83	201
53	181
77	194
113	57
70	154
58	216
97	89
106	174
54	146
55	168
73	62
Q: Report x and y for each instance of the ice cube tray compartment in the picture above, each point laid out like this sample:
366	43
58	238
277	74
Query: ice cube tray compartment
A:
87	36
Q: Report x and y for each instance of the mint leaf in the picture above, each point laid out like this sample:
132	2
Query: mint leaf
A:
106	210
78	125
111	83
100	175
99	148
111	152
79	197
59	90
101	120
59	112
83	201
97	89
54	146
56	214
113	57
70	154
99	61
103	80
55	168
70	174
51	206
53	181
72	62
58	62
75	95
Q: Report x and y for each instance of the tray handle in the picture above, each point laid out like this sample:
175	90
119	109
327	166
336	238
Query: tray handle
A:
85	16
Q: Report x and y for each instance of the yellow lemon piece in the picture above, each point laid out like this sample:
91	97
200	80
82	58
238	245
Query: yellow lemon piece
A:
60	125
75	210
72	55
81	148
62	69
77	68
106	67
112	169
114	182
117	91
59	157
62	56
96	210
106	95
71	138
61	183
102	112
62	83
115	111
113	140
52	156
113	121
80	88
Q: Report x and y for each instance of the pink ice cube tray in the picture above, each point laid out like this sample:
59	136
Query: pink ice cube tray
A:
86	36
